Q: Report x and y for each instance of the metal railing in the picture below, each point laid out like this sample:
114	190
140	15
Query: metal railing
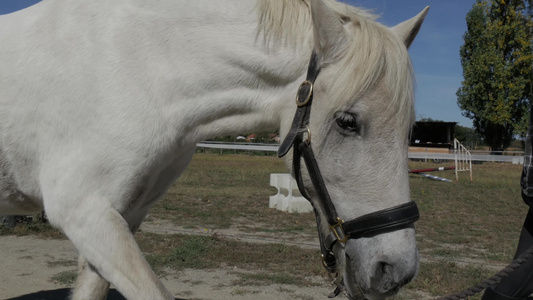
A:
516	158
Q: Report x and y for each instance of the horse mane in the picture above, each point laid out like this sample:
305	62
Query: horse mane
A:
378	55
290	20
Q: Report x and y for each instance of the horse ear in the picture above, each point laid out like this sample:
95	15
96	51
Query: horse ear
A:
409	29
329	32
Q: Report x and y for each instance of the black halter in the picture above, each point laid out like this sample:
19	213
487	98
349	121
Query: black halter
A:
386	220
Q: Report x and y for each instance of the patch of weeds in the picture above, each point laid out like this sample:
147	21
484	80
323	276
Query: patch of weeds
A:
65	277
285	290
210	252
279	248
443	252
194	282
303	297
28	225
61	263
188	253
170	207
239	292
186	293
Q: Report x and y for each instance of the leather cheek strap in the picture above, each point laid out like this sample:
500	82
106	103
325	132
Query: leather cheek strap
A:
301	119
304	99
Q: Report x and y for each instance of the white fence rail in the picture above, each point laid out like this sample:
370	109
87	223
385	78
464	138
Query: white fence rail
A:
239	146
515	159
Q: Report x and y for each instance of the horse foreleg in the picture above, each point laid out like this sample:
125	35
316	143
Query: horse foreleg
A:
104	239
89	285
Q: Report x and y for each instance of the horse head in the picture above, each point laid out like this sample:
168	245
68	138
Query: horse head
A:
354	141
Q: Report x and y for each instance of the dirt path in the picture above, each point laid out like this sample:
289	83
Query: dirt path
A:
28	265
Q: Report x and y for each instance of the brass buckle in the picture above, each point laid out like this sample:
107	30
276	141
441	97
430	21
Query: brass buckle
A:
304	102
336	231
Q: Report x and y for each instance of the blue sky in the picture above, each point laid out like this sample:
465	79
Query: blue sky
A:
8	6
435	52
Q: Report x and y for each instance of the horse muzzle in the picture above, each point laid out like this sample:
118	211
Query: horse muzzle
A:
379	273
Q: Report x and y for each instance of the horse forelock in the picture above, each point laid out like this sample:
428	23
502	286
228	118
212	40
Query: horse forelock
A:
289	21
374	55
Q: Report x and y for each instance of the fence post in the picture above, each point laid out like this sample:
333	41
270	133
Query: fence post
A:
463	159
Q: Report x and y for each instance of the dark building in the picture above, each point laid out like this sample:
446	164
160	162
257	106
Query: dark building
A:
432	134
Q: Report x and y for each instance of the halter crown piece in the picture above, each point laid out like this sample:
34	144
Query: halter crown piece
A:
371	224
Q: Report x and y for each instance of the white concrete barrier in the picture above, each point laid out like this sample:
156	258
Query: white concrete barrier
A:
288	197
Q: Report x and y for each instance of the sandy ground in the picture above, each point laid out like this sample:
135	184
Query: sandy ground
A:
27	265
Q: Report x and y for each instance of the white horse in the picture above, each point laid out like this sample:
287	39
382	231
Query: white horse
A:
102	104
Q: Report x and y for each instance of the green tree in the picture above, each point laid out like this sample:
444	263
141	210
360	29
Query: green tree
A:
497	60
467	136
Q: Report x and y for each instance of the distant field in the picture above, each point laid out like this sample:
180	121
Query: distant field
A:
466	232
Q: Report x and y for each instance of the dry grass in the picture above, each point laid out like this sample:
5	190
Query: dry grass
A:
229	190
276	263
466	231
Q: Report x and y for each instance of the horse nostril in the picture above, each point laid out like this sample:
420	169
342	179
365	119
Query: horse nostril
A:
385	268
385	280
388	279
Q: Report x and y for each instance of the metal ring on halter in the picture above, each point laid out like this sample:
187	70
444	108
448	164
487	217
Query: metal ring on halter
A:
309	94
308	139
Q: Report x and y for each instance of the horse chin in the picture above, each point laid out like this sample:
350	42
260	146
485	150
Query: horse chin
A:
375	281
357	291
354	291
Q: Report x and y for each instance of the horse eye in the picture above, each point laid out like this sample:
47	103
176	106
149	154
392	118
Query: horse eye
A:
348	122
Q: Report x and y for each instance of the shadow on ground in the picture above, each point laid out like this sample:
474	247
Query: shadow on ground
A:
63	294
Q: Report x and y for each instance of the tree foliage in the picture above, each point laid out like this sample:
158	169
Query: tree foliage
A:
467	136
497	60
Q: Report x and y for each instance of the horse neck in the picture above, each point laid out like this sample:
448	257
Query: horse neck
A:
257	103
247	83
